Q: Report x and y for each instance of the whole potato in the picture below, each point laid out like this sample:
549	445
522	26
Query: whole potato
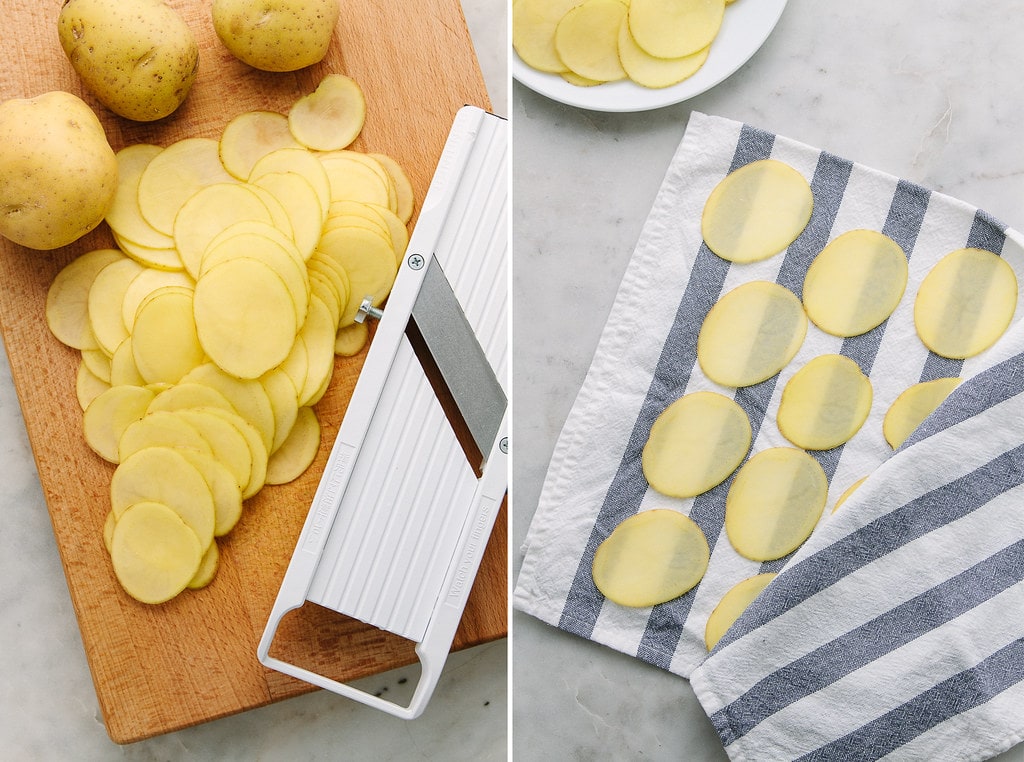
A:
276	35
138	58
58	173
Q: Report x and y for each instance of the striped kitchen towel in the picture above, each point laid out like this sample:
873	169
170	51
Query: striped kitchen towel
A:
647	358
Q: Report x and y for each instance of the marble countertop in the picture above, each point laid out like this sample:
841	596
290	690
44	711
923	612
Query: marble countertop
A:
48	708
928	90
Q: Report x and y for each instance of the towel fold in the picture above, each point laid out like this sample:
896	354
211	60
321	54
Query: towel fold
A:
926	541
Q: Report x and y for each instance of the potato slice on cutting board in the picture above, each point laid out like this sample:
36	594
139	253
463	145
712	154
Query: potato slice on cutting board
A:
403	186
125	217
165	341
207	568
297	160
154	552
825	403
297	452
284	401
351	339
650	558
110	414
695	443
756	211
249	137
67	300
353	179
106	295
247	397
909	410
587	39
675	28
774	503
227	495
161	429
175	175
732	606
368	260
751	334
855	283
144	284
228	445
331	117
89	386
301	204
965	303
257	450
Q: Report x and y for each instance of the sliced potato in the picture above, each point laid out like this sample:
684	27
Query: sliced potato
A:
154	552
331	117
750	334
297	452
533	32
175	175
110	414
89	386
161	258
123	369
300	202
125	218
650	558
825	403
403	186
587	39
369	262
965	303
207	568
247	397
649	71
104	304
350	339
227	495
284	401
183	396
297	160
67	300
910	409
732	606
847	492
774	503
98	363
165	338
161	429
249	137
756	211
228	445
695	443
675	28
144	284
257	450
352	179
318	334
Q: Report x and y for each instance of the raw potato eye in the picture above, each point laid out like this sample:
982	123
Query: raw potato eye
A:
774	503
855	283
965	303
650	558
732	605
675	28
825	403
910	409
587	39
756	211
695	443
751	334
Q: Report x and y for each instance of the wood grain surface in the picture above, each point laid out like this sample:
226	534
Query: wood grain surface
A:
162	668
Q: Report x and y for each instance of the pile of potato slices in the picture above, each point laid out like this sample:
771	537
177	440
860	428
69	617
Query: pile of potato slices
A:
210	332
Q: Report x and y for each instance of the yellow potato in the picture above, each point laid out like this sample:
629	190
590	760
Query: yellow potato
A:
207	568
165	340
369	262
106	295
825	403
257	451
732	606
144	284
125	218
276	35
587	39
123	369
318	335
297	160
247	397
67	300
89	386
110	414
301	204
353	179
650	558
284	401
161	429
910	409
174	175
351	339
403	186
533	32
58	173
847	492
228	445
649	71
298	451
675	28
140	58
331	117
249	137
227	495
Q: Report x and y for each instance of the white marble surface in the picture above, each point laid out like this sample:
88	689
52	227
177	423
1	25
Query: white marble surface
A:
928	90
48	708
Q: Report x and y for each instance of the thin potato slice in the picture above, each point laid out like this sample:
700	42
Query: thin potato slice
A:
123	369
284	401
318	334
144	284
649	71
732	606
227	495
756	211
855	283
533	32
325	289
249	137
98	363
330	117
161	429
257	450
354	180
302	205
651	558
751	334
297	452
227	444
161	258
575	79
154	552
175	175
774	503
825	403
350	340
110	414
164	475
847	492
587	39
108	530
207	213
67	300
184	396
125	218
104	304
965	303
244	317
89	386
301	161
369	262
207	568
165	339
296	364
675	28
405	195
695	443
910	409
247	397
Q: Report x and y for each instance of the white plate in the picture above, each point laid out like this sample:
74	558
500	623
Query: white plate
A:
745	27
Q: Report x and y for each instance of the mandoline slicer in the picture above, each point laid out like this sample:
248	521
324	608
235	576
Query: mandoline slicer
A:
404	509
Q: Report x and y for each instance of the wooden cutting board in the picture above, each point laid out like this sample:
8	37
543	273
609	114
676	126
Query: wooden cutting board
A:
162	668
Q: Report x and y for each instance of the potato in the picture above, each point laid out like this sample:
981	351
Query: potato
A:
58	173
276	35
139	59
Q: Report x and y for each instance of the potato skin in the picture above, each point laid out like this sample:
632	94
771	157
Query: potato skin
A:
276	35
58	173
139	59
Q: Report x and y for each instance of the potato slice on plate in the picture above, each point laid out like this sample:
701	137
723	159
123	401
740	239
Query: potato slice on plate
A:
331	117
533	32
675	28
650	558
249	137
649	71
175	175
67	300
587	39
154	552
